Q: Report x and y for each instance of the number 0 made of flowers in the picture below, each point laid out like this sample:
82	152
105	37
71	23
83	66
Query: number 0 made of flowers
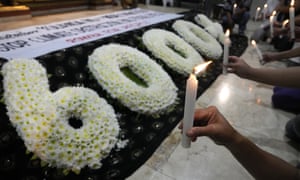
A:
41	118
160	92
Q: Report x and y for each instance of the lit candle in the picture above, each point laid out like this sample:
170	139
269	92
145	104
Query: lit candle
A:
190	100
258	52
257	13
272	23
292	19
284	23
265	11
234	8
227	43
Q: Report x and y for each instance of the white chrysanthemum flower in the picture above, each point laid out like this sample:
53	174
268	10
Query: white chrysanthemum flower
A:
165	45
214	28
106	62
207	45
41	118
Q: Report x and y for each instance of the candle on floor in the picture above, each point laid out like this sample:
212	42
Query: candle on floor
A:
227	43
258	52
234	8
265	11
257	13
190	100
292	19
272	24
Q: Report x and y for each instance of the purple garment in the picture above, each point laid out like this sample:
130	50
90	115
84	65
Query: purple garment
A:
286	98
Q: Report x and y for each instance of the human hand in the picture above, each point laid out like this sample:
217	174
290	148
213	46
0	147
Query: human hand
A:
238	66
210	122
270	56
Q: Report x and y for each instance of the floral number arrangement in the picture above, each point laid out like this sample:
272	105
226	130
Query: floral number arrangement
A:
173	50
201	40
41	118
160	92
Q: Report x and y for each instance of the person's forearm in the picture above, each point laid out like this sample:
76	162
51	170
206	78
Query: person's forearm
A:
286	77
261	164
288	54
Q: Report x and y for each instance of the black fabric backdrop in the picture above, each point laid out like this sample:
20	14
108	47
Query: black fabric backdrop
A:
145	133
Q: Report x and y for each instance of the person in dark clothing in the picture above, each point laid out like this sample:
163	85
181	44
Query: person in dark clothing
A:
236	15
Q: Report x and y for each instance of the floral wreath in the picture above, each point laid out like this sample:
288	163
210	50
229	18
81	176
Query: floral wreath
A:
174	51
41	118
160	94
213	28
207	45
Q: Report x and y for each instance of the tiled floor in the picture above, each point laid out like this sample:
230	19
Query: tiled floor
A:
246	104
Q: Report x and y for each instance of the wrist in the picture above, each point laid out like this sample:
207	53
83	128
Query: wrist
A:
236	142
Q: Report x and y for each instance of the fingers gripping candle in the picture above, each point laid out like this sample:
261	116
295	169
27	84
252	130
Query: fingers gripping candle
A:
190	100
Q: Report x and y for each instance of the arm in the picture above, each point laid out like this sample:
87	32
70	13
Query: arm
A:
287	77
260	164
272	56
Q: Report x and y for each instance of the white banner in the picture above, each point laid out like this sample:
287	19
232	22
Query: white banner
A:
34	41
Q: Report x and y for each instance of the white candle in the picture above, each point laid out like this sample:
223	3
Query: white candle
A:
190	100
265	11
272	23
234	8
257	13
292	19
258	52
226	43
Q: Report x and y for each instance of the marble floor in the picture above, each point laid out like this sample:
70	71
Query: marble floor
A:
246	104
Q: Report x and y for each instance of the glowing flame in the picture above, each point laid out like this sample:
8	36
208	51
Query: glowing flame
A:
274	13
253	43
285	22
258	9
201	67
292	2
265	6
235	5
227	33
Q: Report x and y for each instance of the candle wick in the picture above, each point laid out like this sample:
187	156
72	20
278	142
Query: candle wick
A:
194	71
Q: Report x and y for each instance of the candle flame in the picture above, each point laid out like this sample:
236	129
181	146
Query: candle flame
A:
274	13
266	5
235	5
285	22
292	2
227	33
253	43
258	8
201	67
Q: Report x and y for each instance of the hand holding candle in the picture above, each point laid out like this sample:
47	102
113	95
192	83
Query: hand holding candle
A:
292	19
227	43
190	100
